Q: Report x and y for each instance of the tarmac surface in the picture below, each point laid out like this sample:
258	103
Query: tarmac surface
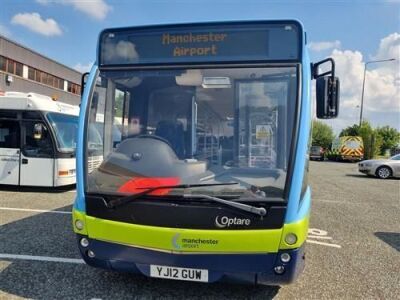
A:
353	248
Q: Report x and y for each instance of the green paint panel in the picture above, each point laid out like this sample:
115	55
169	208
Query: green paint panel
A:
192	240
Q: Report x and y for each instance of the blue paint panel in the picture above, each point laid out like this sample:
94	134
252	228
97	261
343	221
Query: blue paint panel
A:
225	267
80	176
294	212
305	205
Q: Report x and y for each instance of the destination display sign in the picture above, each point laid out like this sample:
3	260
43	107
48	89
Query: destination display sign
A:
206	43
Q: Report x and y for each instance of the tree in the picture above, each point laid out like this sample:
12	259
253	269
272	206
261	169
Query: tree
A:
322	134
351	131
390	138
119	104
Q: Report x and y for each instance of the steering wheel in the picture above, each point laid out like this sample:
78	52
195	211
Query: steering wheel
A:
155	137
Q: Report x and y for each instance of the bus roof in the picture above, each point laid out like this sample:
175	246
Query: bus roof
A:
33	101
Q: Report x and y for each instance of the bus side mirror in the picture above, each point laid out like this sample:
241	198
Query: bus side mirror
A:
38	131
327	89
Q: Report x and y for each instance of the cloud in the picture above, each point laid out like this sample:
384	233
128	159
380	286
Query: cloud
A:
83	68
35	23
389	47
381	90
4	31
97	9
121	52
321	46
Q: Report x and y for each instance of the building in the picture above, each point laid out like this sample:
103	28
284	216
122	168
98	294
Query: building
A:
25	70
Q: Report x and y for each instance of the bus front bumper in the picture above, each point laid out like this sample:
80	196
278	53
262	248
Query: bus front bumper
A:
240	268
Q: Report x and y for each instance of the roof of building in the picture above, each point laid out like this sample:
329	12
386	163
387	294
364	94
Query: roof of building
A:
37	53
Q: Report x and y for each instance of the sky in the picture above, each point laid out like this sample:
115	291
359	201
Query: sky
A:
352	32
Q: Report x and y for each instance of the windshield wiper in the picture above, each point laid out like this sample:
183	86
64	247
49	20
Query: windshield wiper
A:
261	211
121	201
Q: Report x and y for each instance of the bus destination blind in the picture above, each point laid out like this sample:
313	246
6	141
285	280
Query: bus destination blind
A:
225	44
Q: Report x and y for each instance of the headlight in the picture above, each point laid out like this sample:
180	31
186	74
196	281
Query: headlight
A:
79	224
291	239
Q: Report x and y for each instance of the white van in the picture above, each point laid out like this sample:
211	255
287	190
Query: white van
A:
37	140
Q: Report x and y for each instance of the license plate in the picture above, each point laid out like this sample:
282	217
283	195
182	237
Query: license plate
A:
179	273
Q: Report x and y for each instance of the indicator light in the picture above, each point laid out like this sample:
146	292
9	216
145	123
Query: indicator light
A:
84	242
285	257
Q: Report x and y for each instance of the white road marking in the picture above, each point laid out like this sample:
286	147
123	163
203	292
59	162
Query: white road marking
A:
324	244
42	258
319	232
36	210
74	191
336	201
319	237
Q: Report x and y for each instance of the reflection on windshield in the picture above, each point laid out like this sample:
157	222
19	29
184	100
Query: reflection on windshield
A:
194	126
65	127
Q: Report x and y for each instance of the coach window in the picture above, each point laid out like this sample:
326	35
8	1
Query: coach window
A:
37	144
9	134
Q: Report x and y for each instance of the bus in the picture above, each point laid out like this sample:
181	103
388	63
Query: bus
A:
37	140
208	181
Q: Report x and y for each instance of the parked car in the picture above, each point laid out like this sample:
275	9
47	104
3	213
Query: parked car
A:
382	168
317	153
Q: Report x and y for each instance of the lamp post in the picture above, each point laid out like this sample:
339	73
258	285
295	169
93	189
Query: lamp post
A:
363	85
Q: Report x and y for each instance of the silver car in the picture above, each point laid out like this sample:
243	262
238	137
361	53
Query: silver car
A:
382	168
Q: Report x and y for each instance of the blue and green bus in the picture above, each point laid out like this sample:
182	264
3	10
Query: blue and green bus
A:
203	167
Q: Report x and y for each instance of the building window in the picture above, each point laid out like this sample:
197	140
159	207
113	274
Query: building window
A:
10	66
3	63
38	74
74	88
60	84
13	67
18	69
31	73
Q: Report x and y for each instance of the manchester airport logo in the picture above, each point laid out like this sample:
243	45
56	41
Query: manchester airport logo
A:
179	243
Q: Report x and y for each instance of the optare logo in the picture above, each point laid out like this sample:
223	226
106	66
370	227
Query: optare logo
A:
224	221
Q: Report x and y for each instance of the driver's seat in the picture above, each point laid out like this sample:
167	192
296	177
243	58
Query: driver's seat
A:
172	131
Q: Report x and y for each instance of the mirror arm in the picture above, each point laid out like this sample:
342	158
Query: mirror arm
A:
83	81
315	66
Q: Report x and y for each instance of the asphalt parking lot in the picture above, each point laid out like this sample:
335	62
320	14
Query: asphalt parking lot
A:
353	248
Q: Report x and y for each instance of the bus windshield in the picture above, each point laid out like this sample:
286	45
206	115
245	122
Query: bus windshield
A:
65	128
194	126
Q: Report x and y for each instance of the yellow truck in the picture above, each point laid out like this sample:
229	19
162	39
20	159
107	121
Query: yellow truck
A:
350	148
